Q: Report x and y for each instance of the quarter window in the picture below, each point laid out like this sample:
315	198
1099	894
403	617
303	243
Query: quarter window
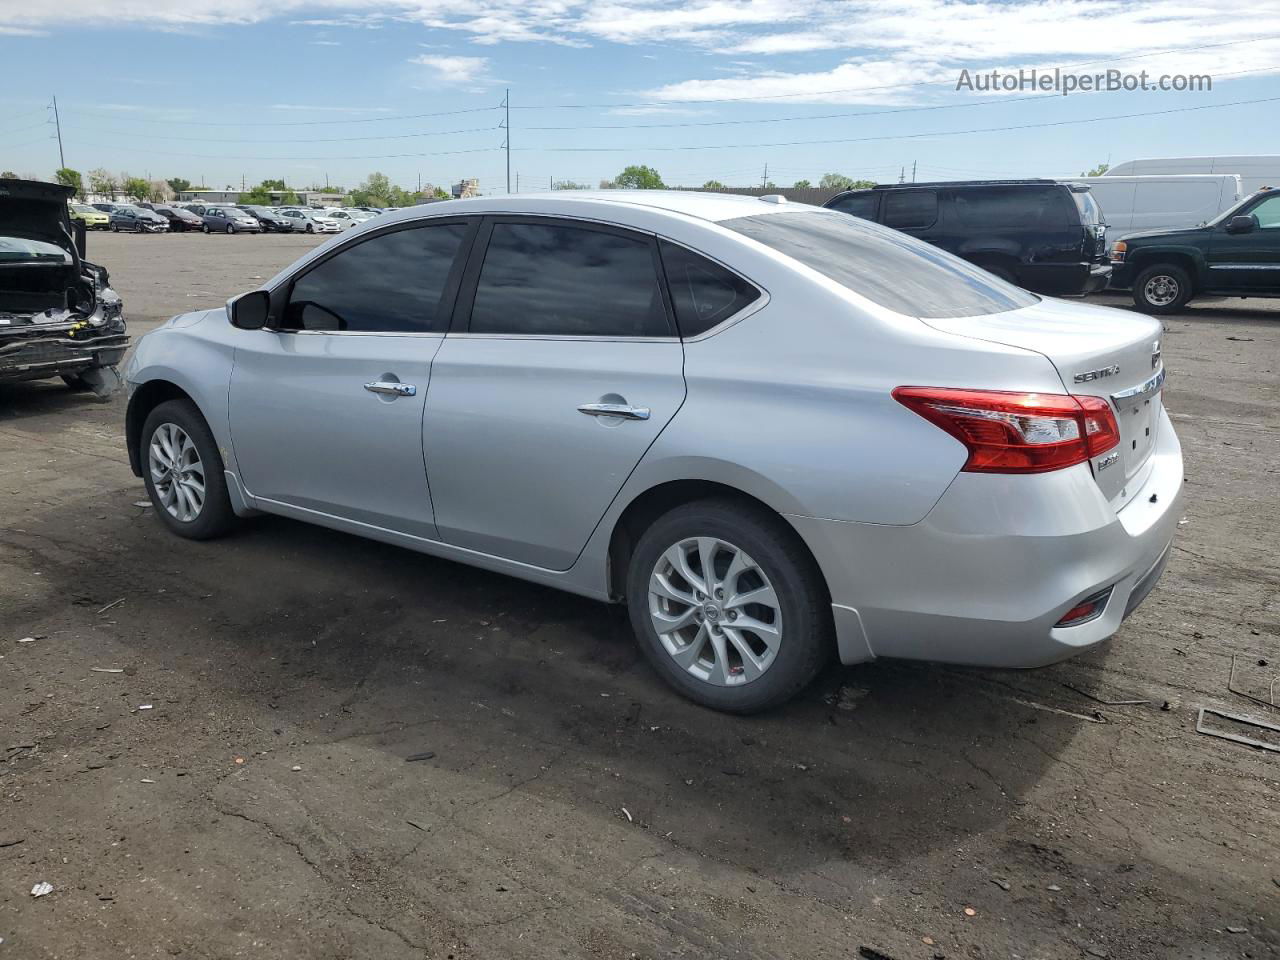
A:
703	292
557	280
391	283
910	209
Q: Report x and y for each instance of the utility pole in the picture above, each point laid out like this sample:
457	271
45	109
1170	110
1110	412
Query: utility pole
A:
764	179
913	171
242	187
517	181
902	175
506	102
58	123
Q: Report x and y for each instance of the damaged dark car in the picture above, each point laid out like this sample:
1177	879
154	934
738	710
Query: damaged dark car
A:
58	315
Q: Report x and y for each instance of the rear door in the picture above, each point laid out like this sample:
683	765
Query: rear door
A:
562	368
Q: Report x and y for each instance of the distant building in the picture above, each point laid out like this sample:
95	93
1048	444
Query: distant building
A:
466	188
306	198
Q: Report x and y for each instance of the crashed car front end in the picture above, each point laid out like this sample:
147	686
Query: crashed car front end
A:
59	316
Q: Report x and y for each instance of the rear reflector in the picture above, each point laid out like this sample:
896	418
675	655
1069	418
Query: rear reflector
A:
1088	609
1017	432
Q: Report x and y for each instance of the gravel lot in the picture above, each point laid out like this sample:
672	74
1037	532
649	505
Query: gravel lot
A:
572	806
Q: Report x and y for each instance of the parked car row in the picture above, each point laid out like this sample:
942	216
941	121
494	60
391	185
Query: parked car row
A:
146	217
1051	237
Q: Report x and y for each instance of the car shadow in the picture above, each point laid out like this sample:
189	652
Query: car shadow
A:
29	398
336	639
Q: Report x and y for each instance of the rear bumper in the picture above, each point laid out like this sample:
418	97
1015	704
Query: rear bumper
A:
55	353
985	578
1065	279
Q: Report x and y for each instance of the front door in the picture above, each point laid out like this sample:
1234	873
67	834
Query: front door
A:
326	408
1248	262
562	370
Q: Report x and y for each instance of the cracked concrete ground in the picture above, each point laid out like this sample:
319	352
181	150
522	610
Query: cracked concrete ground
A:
573	805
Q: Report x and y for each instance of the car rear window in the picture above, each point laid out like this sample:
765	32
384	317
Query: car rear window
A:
1090	212
892	269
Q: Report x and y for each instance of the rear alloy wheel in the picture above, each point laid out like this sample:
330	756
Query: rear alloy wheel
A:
184	473
1161	289
728	606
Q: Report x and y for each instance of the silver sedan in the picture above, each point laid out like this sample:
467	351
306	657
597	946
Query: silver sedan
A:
776	433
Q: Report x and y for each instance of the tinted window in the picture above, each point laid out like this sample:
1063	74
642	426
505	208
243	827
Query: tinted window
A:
892	269
561	280
702	292
390	283
910	209
857	204
1087	207
1010	208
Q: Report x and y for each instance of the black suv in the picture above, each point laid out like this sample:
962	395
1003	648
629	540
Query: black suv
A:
1237	254
1040	234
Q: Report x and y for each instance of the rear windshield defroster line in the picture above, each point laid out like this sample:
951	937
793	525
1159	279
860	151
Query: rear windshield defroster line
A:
892	269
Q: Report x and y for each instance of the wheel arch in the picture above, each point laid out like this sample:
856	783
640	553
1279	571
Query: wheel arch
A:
146	398
1143	259
652	503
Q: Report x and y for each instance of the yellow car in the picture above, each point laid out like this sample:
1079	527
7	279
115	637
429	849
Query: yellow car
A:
93	219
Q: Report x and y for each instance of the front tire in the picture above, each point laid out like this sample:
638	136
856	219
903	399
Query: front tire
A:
183	472
310	228
1162	289
728	606
231	228
205	228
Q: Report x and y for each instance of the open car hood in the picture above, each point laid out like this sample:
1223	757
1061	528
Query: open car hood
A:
34	210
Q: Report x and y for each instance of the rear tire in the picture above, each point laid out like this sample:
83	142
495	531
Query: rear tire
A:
1162	289
183	472
715	658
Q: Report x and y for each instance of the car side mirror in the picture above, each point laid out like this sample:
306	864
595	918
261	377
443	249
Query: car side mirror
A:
1245	224
250	311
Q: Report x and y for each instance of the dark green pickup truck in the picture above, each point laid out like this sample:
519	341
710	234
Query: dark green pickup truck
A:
1237	254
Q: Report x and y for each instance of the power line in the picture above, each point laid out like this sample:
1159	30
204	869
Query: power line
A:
389	136
207	156
297	123
905	136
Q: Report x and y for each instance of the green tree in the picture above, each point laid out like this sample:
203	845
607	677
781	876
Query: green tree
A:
440	193
259	195
835	181
569	185
608	185
638	177
803	185
375	191
135	187
179	184
277	185
70	178
102	183
713	185
9	175
1097	171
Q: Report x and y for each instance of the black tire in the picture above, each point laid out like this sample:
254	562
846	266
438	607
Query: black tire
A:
205	228
310	228
115	228
1161	289
808	634
231	228
216	517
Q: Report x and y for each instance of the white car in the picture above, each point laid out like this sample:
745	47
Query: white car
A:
777	433
347	217
309	221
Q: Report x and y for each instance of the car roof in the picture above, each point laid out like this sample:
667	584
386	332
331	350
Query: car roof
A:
713	207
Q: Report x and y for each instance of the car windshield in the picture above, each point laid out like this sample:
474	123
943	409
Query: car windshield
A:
892	269
83	208
22	250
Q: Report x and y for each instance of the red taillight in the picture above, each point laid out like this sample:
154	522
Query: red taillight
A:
1017	432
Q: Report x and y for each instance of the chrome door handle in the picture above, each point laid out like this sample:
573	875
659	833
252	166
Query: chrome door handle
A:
392	389
623	410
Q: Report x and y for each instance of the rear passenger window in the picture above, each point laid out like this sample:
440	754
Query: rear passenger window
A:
703	293
910	209
391	283
559	280
856	204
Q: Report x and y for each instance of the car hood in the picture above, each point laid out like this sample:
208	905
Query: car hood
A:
34	210
1190	235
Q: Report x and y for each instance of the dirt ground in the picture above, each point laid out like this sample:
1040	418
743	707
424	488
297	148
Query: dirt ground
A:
247	786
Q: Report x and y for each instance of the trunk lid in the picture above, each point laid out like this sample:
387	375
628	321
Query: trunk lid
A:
1099	352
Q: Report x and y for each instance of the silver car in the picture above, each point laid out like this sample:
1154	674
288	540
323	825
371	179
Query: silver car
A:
776	432
308	221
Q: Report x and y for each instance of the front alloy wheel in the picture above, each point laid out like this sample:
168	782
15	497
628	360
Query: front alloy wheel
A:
177	472
715	611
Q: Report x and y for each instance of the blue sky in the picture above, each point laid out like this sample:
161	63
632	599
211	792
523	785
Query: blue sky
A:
217	90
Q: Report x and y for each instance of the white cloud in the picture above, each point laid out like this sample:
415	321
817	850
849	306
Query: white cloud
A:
880	44
452	71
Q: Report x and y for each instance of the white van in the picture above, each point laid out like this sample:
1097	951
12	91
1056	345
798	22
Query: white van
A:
1141	204
1255	172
